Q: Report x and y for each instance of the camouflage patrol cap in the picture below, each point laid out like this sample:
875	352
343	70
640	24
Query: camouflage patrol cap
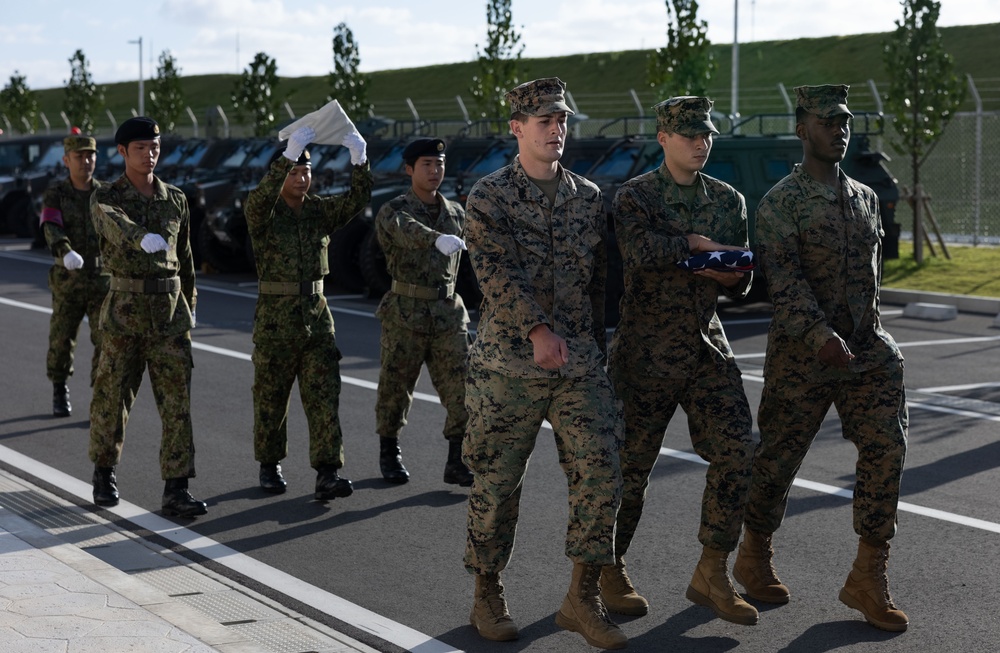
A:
539	97
825	101
79	143
423	147
687	115
137	129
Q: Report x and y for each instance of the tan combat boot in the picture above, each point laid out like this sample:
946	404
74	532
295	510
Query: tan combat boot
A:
867	588
754	570
583	612
489	612
711	587
618	593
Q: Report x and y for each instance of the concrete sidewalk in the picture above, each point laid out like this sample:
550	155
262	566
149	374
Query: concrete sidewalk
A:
71	581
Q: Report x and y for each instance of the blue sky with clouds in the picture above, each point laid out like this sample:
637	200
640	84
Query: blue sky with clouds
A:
38	38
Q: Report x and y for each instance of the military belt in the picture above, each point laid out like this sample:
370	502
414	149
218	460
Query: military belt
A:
146	286
88	263
422	292
290	287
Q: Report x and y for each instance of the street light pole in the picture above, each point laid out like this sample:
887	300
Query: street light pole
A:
736	60
142	95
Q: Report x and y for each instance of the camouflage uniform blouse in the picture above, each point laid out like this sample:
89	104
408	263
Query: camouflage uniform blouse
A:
290	247
668	317
407	231
535	265
66	222
823	267
122	216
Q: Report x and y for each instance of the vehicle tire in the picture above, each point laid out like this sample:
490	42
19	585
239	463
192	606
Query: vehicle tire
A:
219	256
373	266
344	255
22	219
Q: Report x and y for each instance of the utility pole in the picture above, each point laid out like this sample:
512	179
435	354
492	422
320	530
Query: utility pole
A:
142	95
736	60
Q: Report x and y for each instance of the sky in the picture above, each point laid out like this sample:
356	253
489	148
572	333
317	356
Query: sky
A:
38	37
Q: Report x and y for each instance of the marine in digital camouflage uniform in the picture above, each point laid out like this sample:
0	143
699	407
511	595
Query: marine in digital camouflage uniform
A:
423	319
78	281
670	350
293	330
537	236
146	319
820	248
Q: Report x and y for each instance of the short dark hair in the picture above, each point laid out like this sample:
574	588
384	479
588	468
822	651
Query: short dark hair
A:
518	116
800	115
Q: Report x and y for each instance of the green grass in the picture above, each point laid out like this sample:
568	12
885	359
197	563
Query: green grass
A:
970	271
600	82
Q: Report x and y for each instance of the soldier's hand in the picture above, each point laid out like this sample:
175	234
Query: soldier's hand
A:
298	141
355	142
152	243
448	244
727	278
698	243
551	352
835	353
72	260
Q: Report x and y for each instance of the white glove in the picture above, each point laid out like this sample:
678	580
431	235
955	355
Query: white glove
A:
194	319
72	260
355	142
448	244
152	243
297	142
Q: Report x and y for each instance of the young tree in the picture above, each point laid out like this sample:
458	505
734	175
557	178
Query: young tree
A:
166	98
253	95
82	98
350	87
923	94
18	103
498	62
686	65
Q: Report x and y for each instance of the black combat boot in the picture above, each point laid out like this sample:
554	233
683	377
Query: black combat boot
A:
178	502
455	471
271	479
60	400
329	485
105	486
390	461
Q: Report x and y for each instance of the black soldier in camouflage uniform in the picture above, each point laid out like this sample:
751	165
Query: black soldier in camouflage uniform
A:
293	331
78	281
537	238
146	319
820	247
423	319
670	350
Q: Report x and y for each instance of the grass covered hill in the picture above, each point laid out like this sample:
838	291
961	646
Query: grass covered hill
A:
601	82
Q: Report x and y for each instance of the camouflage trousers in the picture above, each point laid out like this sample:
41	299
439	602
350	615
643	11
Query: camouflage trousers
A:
720	425
505	415
403	353
873	414
75	294
315	362
124	358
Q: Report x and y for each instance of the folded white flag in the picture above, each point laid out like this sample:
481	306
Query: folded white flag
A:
330	122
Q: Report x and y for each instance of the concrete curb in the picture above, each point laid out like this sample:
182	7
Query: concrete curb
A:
964	303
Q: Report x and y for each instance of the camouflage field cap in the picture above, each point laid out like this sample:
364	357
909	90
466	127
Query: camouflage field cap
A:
687	115
539	97
825	101
137	129
79	143
423	147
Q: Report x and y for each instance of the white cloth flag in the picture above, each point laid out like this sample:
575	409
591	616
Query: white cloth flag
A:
330	122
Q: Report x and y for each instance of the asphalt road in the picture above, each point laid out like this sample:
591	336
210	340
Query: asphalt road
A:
397	550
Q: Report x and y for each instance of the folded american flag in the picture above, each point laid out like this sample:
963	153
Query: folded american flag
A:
729	260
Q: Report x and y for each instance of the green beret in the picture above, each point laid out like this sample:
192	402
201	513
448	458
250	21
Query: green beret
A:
423	147
826	101
687	115
539	97
137	129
